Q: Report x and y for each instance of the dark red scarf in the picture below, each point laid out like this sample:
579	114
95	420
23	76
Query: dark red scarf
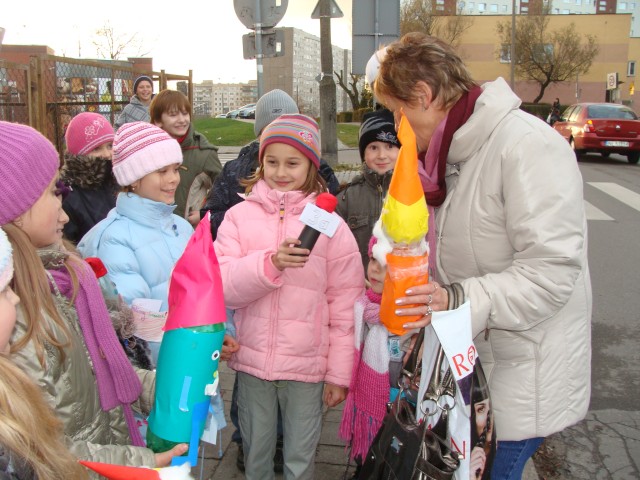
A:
458	115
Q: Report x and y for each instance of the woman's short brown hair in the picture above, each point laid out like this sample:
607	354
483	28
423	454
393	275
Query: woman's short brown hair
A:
166	101
420	57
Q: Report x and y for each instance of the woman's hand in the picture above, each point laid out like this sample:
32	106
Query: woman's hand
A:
424	300
333	395
289	256
229	346
164	459
477	462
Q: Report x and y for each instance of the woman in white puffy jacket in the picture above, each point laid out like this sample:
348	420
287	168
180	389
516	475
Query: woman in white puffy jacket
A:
508	224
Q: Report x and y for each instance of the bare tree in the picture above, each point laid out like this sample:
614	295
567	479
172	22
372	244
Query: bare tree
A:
546	56
354	88
113	45
418	16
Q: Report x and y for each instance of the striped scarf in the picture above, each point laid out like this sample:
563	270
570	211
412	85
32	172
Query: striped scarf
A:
365	406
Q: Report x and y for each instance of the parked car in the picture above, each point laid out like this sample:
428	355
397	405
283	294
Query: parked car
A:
221	115
233	113
247	111
601	127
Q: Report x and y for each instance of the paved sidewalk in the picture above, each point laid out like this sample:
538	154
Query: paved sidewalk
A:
331	457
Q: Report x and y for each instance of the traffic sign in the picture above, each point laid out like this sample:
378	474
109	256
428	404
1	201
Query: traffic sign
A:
375	23
334	10
612	81
272	44
271	12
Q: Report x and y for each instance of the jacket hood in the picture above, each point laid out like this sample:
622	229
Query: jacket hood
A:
195	140
271	199
473	134
88	173
144	211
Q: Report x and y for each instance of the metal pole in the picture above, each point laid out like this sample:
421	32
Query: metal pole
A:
513	46
258	27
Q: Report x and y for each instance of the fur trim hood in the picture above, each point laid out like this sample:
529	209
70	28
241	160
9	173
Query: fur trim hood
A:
82	171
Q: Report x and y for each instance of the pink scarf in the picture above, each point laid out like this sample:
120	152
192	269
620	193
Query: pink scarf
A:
433	163
117	382
365	406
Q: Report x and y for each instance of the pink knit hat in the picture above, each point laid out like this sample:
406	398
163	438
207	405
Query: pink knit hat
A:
296	130
28	163
140	148
86	132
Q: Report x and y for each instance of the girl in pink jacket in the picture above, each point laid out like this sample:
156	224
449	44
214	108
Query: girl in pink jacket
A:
293	307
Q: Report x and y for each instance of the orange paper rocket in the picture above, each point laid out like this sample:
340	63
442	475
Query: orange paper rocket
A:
404	221
404	213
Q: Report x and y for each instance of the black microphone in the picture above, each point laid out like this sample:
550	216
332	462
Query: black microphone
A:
309	235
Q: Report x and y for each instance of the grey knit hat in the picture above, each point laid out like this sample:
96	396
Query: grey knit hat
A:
270	106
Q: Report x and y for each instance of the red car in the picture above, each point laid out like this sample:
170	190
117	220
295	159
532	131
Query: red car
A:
601	127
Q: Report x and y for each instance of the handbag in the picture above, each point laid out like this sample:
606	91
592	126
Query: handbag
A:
404	448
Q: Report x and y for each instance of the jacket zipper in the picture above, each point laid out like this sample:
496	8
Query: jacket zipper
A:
276	297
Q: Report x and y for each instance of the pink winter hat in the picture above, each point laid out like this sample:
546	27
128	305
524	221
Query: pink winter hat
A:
140	148
86	132
28	163
295	130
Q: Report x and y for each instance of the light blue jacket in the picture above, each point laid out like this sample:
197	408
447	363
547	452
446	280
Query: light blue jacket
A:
139	243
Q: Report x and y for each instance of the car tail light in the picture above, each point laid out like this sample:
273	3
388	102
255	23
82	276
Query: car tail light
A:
588	127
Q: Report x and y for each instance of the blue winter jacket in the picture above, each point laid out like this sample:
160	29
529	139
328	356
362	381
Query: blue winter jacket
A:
139	242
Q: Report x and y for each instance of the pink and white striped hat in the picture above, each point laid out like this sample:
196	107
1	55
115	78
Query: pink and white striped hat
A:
140	148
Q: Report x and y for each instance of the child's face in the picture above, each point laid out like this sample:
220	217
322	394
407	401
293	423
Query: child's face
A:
44	221
376	273
103	151
159	186
175	123
8	302
380	156
285	168
144	91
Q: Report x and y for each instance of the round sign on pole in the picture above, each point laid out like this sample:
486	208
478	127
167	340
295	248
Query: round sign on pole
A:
270	13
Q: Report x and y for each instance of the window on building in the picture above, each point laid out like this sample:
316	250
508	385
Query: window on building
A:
524	9
504	8
631	68
471	6
603	3
632	6
493	8
622	6
482	7
505	53
578	2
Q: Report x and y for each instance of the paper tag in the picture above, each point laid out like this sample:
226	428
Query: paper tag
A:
453	328
320	219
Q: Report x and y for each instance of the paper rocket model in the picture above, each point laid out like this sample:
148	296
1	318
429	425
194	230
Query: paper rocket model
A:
405	221
121	472
187	370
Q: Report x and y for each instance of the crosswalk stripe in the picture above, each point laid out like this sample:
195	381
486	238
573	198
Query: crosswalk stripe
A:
594	213
624	195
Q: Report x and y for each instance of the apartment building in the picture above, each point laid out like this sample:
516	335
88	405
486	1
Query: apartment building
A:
480	49
534	7
297	72
211	99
